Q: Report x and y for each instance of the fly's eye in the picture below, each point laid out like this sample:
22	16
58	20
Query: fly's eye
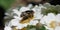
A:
22	14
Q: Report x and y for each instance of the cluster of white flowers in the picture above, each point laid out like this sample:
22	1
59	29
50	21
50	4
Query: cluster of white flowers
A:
51	20
15	21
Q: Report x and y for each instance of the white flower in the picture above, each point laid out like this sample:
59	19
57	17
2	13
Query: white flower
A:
30	6
17	12
57	28
41	6
37	11
35	8
17	18
33	22
20	26
7	28
50	20
58	17
15	22
22	9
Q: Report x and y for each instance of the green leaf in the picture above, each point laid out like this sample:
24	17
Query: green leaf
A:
31	27
6	3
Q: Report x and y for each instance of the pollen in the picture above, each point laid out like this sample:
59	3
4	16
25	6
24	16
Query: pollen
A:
52	24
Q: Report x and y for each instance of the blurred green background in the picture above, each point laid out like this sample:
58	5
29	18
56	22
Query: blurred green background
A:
6	3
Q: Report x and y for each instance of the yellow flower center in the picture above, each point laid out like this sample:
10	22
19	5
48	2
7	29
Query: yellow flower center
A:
52	24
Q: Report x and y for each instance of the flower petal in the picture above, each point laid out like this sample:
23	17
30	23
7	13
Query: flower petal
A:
34	22
24	9
7	28
58	18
